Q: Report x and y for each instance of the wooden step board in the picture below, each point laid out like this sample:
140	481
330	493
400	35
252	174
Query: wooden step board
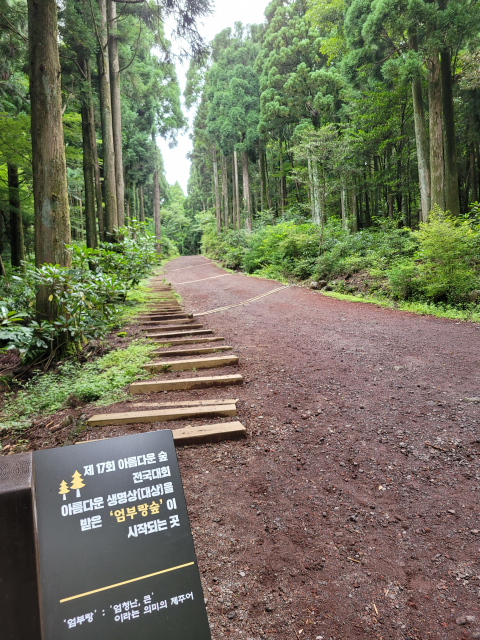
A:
185	403
168	315
209	433
164	337
191	341
180	384
195	363
173	327
168	322
190	352
162	415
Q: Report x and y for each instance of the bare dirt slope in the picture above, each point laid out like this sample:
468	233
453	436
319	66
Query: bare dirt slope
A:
335	519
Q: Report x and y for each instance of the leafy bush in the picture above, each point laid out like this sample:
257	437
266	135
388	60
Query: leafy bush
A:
441	262
101	381
86	295
448	254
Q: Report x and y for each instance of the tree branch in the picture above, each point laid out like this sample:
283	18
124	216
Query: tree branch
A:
135	52
10	26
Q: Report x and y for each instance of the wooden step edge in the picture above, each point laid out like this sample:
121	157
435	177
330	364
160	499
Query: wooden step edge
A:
161	415
200	340
186	403
197	363
163	337
190	352
173	327
208	433
200	434
201	382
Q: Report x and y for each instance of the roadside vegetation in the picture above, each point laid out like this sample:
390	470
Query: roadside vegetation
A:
435	269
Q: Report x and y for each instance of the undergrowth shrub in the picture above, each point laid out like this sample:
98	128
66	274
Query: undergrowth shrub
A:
101	381
86	295
438	263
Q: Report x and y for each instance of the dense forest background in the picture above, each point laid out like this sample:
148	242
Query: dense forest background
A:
324	138
338	141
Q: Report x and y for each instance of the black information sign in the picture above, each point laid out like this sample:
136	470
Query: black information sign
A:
115	550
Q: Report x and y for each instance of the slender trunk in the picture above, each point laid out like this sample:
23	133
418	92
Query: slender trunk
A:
234	202
215	187
88	160
368	219
262	189
52	218
156	205
280	166
142	208
354	222
116	108
247	206
109	185
16	227
376	192
452	197
96	169
225	191
421	140
127	204
436	132
317	214
267	182
237	196
344	207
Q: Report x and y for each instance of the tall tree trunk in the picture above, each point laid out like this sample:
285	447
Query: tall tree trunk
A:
142	208
316	212
344	208
436	132
215	187
237	196
247	205
368	219
354	221
280	167
88	133
52	219
234	202
376	192
16	227
116	108
128	212
452	196
96	169
473	173
421	140
225	191
156	205
109	184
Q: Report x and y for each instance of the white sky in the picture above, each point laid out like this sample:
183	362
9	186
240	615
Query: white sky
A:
225	14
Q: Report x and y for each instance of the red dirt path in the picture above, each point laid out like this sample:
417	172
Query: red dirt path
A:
334	519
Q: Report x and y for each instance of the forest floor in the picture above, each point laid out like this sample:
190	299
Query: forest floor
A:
351	508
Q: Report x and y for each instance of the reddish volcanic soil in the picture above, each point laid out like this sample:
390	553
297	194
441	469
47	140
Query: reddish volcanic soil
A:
351	508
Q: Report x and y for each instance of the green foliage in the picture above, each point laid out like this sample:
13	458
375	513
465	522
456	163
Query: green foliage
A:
449	258
102	381
439	263
86	296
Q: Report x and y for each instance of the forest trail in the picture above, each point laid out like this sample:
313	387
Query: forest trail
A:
351	510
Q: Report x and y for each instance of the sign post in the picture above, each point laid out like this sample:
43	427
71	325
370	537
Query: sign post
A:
115	552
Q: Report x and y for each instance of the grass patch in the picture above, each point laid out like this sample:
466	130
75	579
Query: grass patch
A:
100	382
420	308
